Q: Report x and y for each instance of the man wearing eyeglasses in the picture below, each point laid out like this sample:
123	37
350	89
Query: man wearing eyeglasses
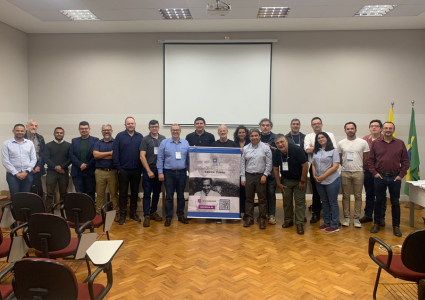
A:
106	173
317	125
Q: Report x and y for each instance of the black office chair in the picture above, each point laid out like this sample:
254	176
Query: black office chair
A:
409	265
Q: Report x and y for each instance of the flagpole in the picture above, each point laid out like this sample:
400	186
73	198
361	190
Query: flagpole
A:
413	103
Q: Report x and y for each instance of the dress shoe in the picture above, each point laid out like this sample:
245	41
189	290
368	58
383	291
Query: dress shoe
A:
183	220
135	218
156	217
300	229
365	219
262	223
287	224
167	222
397	232
147	222
375	228
248	222
314	218
382	223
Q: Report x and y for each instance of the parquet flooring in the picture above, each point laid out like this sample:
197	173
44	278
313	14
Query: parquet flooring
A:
205	260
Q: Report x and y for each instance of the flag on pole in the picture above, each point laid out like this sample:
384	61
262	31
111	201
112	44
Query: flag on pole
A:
413	152
391	118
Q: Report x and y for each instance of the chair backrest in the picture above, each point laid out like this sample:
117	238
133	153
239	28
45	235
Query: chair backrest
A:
25	204
79	208
44	278
413	251
47	230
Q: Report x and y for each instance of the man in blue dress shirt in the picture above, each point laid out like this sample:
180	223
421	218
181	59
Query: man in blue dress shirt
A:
126	157
173	156
19	159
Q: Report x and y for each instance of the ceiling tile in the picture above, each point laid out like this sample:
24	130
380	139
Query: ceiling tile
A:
111	14
406	10
306	12
49	16
144	14
340	11
349	2
312	2
39	5
239	13
153	4
101	4
233	3
277	3
413	2
384	2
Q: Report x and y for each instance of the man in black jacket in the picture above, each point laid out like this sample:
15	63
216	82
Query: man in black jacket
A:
38	171
295	137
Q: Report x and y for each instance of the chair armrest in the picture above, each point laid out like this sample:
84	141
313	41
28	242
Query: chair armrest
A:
6	270
15	229
61	207
421	289
105	206
88	224
106	269
372	241
25	235
5	205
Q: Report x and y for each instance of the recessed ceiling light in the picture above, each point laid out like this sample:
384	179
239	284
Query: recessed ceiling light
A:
273	12
80	15
175	13
374	10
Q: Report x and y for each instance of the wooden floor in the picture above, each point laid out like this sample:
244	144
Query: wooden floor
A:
205	260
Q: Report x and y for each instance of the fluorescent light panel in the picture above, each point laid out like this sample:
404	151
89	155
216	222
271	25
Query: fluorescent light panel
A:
80	15
273	12
374	10
175	13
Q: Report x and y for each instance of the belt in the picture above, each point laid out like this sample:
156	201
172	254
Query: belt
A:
152	166
177	170
106	169
389	174
255	173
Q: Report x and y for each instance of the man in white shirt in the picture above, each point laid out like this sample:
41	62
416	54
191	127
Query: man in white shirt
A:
353	153
316	124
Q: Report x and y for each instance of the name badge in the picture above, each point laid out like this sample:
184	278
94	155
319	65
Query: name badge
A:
178	155
350	155
285	166
298	145
155	150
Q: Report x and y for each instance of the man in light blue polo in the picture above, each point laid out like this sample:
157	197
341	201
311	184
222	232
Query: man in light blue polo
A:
173	156
19	159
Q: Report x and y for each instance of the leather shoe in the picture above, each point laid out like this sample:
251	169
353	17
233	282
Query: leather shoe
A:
248	222
375	228
397	231
382	223
365	219
183	220
300	229
314	218
167	222
287	224
262	223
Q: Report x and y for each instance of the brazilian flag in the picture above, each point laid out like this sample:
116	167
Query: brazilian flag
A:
412	149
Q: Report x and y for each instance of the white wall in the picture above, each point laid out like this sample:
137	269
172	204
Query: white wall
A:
13	84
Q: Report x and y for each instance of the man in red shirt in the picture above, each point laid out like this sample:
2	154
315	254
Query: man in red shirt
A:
388	163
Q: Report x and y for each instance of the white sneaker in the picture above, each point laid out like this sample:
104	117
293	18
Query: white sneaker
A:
357	223
346	222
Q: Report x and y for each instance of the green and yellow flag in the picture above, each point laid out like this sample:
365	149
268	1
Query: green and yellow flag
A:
412	149
391	118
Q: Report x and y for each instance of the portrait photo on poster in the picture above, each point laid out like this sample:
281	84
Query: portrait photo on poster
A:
212	187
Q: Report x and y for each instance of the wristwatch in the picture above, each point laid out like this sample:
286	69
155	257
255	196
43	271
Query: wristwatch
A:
27	171
303	182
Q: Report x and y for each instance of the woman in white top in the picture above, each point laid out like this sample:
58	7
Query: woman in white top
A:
325	171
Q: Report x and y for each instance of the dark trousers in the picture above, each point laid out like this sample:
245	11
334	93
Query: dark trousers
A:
151	186
175	181
52	179
242	198
85	183
369	186
271	195
16	185
128	177
317	205
253	186
36	185
394	187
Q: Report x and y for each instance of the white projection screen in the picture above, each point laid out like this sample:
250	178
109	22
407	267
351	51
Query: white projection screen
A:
223	83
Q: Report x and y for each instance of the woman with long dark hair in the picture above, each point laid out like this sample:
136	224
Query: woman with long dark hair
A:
240	136
325	171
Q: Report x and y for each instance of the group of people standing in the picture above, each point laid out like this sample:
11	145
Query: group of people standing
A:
378	161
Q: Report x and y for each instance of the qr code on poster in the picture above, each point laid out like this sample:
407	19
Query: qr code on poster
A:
224	204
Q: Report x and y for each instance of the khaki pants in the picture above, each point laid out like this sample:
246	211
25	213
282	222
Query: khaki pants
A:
103	179
292	190
355	179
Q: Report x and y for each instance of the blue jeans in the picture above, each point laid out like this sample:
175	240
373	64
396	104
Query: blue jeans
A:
175	181
329	195
149	185
369	187
85	183
381	198
271	195
16	185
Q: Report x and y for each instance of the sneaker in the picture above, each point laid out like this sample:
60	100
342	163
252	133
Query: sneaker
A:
365	219
218	221
135	218
147	221
331	230
357	223
272	220
323	227
397	232
121	221
346	222
156	217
